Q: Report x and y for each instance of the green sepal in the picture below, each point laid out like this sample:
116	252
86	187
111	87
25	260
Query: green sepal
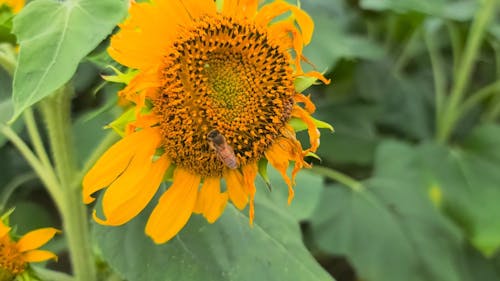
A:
120	77
313	155
263	172
303	82
219	4
299	125
119	125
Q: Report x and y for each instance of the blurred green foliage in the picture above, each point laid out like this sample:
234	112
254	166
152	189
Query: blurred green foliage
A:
392	197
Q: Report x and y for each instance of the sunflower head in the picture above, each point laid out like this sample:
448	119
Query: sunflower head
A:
15	255
213	96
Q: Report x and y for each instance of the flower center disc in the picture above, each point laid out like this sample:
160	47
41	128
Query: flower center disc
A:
223	74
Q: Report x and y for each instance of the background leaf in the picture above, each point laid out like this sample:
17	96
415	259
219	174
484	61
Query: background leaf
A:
390	221
54	37
229	249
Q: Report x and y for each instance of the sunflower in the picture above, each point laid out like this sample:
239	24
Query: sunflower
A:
14	256
204	69
15	5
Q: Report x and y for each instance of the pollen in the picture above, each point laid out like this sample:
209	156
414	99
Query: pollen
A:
222	74
11	260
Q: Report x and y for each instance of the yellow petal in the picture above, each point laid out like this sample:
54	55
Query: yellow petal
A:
133	190
211	202
240	8
249	173
38	256
4	229
150	26
235	188
114	161
174	207
36	238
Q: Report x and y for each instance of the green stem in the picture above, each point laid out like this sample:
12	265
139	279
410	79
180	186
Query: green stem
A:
46	175
480	95
339	177
56	110
494	109
408	50
36	140
47	274
437	71
10	187
7	61
475	37
456	45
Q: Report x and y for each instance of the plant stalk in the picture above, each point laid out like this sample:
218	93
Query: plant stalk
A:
451	113
57	110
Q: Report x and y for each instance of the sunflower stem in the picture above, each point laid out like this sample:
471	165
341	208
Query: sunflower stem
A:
339	177
451	113
36	140
47	176
56	110
47	274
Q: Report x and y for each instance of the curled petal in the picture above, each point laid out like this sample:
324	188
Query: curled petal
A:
36	238
249	173
279	155
313	131
277	8
174	207
308	104
316	75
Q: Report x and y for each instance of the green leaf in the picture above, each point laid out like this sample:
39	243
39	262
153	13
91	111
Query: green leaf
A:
388	231
229	249
355	135
54	37
469	182
303	82
308	188
466	178
450	9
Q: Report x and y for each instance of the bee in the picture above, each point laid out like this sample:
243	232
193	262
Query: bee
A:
223	150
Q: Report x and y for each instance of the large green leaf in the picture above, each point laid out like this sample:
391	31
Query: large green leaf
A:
229	249
469	181
54	37
451	9
308	189
465	181
388	231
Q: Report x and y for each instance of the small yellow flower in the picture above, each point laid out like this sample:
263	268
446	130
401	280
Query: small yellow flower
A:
15	5
204	74
14	256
